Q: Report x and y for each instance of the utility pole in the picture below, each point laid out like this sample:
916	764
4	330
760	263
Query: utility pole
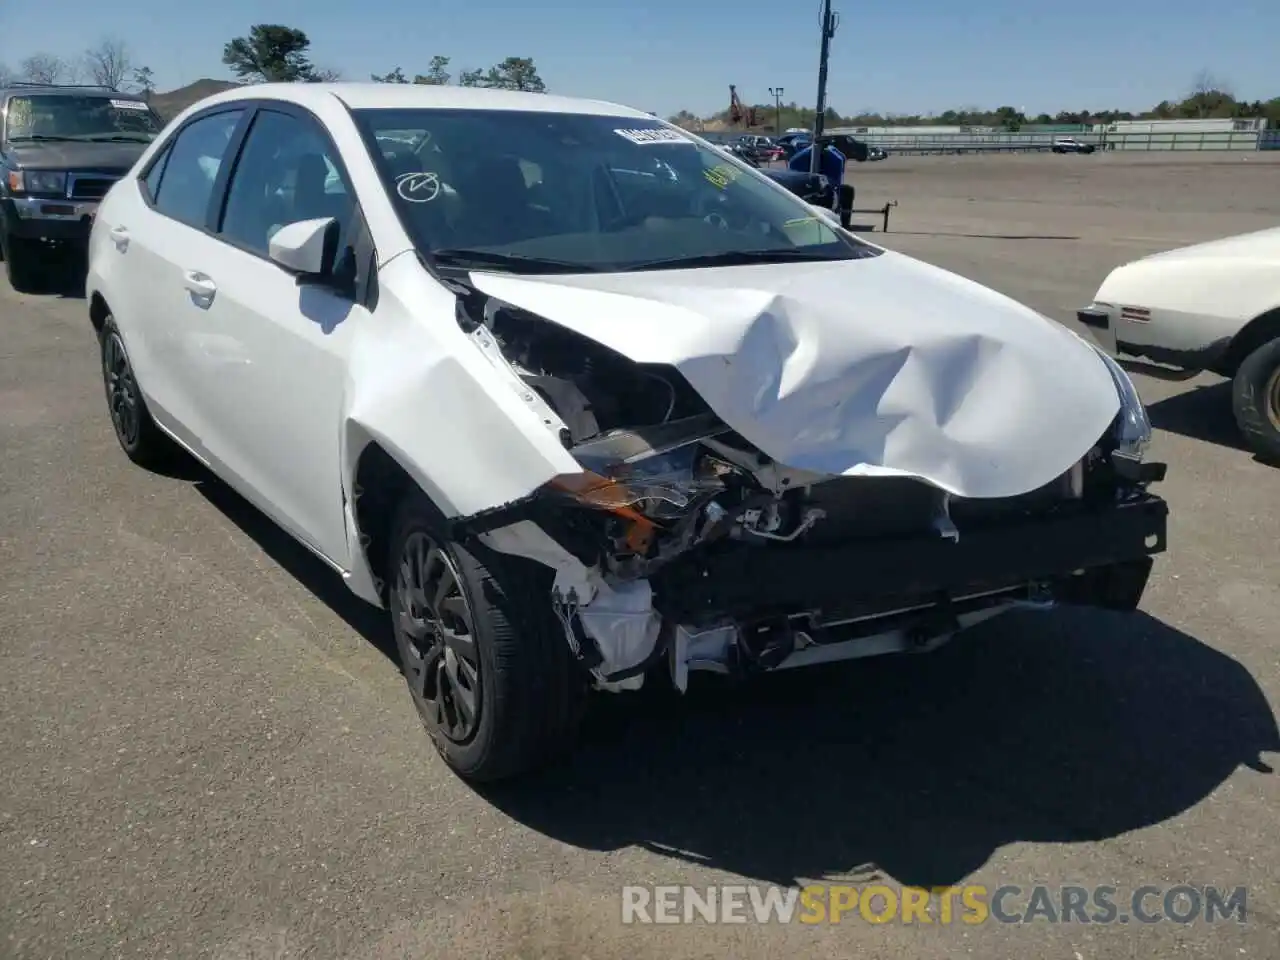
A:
829	22
776	93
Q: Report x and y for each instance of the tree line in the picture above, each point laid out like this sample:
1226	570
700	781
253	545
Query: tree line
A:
513	73
1208	97
268	53
276	53
109	64
280	54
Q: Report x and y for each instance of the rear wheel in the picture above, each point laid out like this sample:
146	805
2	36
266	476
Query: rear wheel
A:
486	661
1255	400
141	440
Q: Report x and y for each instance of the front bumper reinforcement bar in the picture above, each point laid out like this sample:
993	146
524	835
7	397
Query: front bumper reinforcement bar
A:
1096	556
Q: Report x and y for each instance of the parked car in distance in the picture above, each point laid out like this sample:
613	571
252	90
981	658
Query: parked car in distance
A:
600	403
1210	306
1071	145
738	151
61	149
792	143
759	149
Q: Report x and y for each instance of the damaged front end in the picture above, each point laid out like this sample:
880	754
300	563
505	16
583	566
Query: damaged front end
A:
680	542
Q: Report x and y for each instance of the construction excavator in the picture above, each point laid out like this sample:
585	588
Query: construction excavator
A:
738	114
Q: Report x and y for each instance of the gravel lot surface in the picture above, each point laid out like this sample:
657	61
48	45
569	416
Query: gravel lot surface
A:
207	751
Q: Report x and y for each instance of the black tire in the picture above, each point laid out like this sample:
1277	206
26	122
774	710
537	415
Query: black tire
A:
141	440
21	262
1255	400
512	667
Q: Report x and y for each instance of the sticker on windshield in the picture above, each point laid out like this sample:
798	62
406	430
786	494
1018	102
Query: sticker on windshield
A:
129	105
721	175
653	135
418	187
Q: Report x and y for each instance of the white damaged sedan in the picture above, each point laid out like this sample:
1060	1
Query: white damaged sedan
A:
581	400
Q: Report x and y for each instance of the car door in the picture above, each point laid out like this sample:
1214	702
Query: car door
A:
280	370
153	244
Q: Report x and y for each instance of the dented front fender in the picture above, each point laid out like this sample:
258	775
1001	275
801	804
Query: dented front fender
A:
438	407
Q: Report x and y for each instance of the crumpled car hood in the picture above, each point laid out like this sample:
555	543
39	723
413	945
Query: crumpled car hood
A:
879	366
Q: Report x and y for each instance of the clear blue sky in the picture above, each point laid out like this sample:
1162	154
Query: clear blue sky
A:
903	56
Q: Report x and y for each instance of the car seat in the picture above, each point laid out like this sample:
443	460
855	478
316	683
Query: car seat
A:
310	197
496	199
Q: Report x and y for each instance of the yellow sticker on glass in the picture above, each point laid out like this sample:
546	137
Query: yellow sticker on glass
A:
720	176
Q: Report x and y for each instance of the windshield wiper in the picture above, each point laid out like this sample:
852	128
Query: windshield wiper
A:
121	138
41	136
735	258
459	257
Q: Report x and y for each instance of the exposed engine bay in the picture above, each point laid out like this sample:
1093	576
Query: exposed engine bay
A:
677	537
664	472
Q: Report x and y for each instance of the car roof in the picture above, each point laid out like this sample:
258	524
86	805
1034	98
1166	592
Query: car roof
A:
56	90
364	96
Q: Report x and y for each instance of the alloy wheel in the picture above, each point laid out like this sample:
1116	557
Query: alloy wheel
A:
436	628
1271	398
122	391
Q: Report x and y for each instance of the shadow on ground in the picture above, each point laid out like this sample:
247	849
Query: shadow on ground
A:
60	273
1069	726
1065	727
1201	413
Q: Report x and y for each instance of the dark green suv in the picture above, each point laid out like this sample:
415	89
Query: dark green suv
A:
61	149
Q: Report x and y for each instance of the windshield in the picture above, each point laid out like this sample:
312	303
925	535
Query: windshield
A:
71	117
532	191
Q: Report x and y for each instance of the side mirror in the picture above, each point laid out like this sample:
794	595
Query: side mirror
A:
307	248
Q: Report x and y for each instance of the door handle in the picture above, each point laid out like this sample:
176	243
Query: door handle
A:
200	286
120	237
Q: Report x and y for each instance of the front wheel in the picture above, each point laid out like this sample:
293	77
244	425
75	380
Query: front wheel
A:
486	661
141	440
1255	400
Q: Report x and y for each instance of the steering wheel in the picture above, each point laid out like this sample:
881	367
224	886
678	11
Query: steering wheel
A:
709	206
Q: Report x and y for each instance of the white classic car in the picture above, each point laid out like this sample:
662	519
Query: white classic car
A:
573	427
1211	306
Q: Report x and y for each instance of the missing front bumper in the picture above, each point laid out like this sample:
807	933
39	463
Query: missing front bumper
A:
1089	555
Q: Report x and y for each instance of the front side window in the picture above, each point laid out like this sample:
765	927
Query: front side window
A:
74	117
186	183
286	173
573	192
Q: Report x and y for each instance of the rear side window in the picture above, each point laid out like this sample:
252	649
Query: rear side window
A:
191	167
151	182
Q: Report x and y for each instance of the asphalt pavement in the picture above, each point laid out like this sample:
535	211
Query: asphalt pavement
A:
206	749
